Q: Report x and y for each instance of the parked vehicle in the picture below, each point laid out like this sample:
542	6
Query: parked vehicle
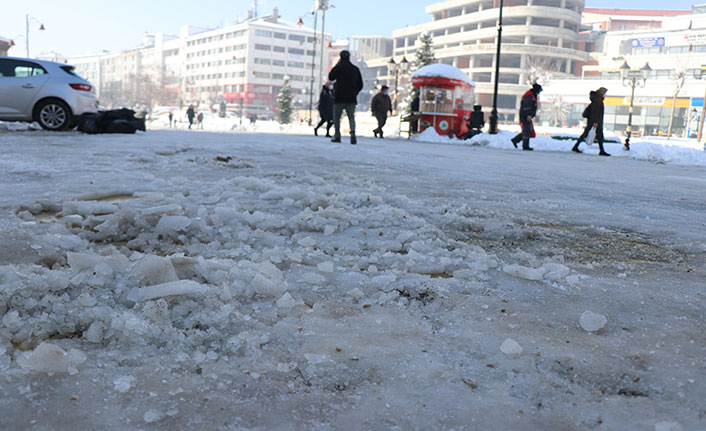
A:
50	93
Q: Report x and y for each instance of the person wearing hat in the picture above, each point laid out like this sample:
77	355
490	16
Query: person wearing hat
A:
594	118
380	106
528	110
348	83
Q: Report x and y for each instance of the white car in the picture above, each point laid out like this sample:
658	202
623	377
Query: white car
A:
50	93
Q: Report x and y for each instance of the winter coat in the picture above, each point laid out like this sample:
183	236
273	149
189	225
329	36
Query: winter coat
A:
528	105
595	110
381	104
190	112
349	82
326	104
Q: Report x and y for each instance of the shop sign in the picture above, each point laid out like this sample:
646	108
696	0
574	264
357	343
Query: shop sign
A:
648	42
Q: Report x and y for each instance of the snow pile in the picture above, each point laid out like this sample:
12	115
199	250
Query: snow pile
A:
430	135
442	71
640	149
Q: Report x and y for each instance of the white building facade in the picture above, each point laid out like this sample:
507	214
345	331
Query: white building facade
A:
679	44
539	38
244	65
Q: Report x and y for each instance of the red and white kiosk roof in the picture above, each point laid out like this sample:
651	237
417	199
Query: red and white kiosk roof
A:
441	76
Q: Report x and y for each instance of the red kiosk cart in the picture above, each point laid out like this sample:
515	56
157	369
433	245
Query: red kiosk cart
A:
445	98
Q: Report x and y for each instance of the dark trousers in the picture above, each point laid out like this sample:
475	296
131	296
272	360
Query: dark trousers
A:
526	133
382	119
338	109
191	121
329	123
599	136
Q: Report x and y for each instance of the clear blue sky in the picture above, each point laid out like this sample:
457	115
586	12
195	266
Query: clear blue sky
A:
80	26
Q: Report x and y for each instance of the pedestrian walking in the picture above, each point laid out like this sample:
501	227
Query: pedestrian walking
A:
348	83
190	115
325	108
594	118
528	110
199	120
381	105
171	117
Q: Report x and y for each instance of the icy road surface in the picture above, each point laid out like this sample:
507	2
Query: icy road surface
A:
181	281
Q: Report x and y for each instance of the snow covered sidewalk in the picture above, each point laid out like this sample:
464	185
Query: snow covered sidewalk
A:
658	150
275	282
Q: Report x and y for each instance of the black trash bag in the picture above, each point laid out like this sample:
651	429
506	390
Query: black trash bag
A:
114	121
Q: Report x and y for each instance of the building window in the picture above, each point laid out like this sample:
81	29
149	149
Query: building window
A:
297	37
296	51
278	62
278	49
262	61
280	35
263	33
261	47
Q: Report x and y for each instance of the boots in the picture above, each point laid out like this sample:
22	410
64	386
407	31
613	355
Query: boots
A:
525	145
516	140
576	147
336	138
354	140
602	152
316	131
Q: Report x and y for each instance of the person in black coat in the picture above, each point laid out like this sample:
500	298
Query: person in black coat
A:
380	106
325	109
528	110
190	115
349	83
594	118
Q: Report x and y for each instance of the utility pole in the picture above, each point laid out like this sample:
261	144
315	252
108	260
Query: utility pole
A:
493	120
313	66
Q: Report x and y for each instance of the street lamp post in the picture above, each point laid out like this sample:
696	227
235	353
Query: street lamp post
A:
632	79
493	119
313	65
396	68
703	110
29	19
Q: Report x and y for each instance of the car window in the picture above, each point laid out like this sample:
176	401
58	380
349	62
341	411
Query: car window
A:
20	69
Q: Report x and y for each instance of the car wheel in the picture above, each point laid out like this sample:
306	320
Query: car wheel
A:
54	115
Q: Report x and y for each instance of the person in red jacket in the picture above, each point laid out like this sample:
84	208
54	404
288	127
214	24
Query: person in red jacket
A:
528	110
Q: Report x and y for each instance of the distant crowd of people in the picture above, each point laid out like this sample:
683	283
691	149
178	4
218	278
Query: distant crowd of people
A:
340	94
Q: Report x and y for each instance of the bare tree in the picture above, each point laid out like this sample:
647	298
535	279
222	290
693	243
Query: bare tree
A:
558	110
678	78
541	69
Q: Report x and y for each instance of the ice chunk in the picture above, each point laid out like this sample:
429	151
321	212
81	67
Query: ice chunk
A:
307	242
152	416
123	384
154	270
535	274
88	208
286	301
172	223
86	300
181	287
329	229
266	287
51	358
94	333
325	267
510	347
270	271
163	209
591	321
555	271
81	261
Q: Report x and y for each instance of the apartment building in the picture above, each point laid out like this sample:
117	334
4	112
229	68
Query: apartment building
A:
244	64
678	44
4	46
540	38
